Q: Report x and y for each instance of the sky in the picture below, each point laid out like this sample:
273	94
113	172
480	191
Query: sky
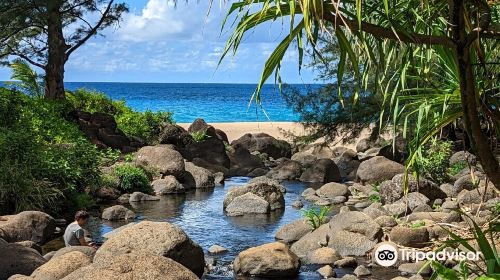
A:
160	42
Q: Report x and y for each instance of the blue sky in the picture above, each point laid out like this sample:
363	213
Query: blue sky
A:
157	42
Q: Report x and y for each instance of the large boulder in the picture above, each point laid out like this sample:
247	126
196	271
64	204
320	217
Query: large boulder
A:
154	238
478	195
142	197
162	158
117	212
414	200
209	153
410	237
247	203
17	259
287	170
88	251
268	260
132	266
198	177
29	225
269	192
348	243
347	163
167	185
378	169
386	151
311	241
293	231
199	125
264	143
424	186
332	190
243	162
356	222
321	171
60	266
463	157
174	135
107	193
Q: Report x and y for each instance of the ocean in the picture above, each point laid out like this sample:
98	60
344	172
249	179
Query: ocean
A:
212	102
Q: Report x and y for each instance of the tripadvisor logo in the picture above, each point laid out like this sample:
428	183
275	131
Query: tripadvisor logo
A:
386	254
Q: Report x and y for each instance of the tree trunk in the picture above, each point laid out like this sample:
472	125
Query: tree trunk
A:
478	140
54	70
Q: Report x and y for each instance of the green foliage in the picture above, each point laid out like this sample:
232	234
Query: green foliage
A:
199	136
434	161
29	82
496	209
316	217
43	155
109	156
375	198
82	201
456	168
144	125
132	178
417	224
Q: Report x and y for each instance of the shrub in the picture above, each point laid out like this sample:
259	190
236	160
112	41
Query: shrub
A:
316	217
434	162
132	178
144	125
82	201
456	168
199	136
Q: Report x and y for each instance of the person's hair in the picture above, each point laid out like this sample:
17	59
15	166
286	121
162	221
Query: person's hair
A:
81	215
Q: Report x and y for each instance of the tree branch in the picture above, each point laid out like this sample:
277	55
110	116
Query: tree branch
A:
91	32
25	57
388	33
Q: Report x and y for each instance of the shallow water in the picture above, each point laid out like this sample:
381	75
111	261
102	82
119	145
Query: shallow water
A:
201	216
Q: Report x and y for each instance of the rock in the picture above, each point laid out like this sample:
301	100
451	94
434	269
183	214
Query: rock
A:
356	222
361	271
114	232
268	181
414	268
268	260
297	204
288	170
131	266
266	190
347	163
438	217
466	182
124	198
142	197
107	193
326	271
293	231
264	143
398	209
304	158
258	172
386	151
17	259
221	135
410	237
216	249
374	213
243	162
414	199
28	226
422	208
162	158
175	135
198	177
449	190
364	144
154	238
167	185
219	178
378	169
346	262
308	191
331	190
323	255
311	241
117	212
59	267
199	125
448	206
321	171
348	243
30	244
247	203
88	251
476	196
463	157
386	221
424	186
209	153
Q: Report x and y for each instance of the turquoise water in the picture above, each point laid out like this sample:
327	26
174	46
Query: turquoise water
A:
213	102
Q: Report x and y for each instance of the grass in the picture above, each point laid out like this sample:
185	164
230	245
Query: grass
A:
316	217
417	224
199	136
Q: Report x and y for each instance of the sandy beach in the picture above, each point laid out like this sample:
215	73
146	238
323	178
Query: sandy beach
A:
237	129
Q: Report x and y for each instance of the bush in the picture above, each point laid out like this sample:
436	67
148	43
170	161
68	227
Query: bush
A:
144	125
435	161
132	178
43	154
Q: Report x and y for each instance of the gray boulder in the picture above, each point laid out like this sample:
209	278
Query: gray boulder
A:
17	259
410	237
157	239
264	143
61	266
413	200
356	222
321	171
477	195
378	169
162	158
198	177
293	231
247	203
167	185
463	157
311	241
117	212
142	197
288	170
28	226
268	191
332	189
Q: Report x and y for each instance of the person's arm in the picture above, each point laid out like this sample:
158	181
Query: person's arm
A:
80	235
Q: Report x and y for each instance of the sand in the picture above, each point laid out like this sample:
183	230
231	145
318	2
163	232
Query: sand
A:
237	129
